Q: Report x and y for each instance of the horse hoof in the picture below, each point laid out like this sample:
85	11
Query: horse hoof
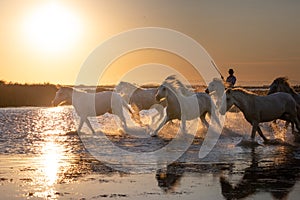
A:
297	138
153	134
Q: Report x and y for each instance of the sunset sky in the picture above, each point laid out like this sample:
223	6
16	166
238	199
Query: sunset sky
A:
48	41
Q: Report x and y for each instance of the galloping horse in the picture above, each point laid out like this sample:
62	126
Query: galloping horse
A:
281	84
83	102
257	109
179	98
140	99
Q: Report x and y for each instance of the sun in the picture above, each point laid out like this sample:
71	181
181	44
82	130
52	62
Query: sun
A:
52	27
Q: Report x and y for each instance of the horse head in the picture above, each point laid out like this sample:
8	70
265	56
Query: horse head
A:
126	90
124	87
280	84
162	93
64	94
175	85
217	85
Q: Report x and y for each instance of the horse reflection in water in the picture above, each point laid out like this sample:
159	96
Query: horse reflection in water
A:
169	178
276	178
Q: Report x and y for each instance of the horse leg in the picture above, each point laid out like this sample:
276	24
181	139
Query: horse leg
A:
122	118
82	120
254	129
203	120
154	116
136	114
160	113
88	123
80	125
154	133
293	118
261	134
183	124
297	122
287	123
292	125
119	112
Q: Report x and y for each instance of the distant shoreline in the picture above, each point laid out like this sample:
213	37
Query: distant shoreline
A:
41	95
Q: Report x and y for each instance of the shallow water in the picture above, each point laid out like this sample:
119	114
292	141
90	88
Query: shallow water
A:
42	158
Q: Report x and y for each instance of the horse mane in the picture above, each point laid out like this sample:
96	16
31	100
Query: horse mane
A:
218	80
177	86
130	84
285	82
221	81
125	86
72	89
244	91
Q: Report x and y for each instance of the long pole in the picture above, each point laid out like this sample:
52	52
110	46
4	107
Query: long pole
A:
213	63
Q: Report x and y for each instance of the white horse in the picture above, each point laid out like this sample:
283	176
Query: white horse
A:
84	103
257	109
217	89
182	103
140	99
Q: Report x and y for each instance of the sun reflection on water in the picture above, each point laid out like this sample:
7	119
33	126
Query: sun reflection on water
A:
50	164
53	158
51	161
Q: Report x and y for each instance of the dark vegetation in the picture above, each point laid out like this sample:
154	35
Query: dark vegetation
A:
40	95
16	95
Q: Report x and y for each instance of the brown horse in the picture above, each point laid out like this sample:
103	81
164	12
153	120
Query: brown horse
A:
281	84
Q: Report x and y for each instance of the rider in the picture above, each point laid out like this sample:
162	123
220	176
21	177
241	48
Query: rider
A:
231	79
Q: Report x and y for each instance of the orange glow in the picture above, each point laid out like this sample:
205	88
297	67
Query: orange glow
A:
125	66
49	40
52	27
